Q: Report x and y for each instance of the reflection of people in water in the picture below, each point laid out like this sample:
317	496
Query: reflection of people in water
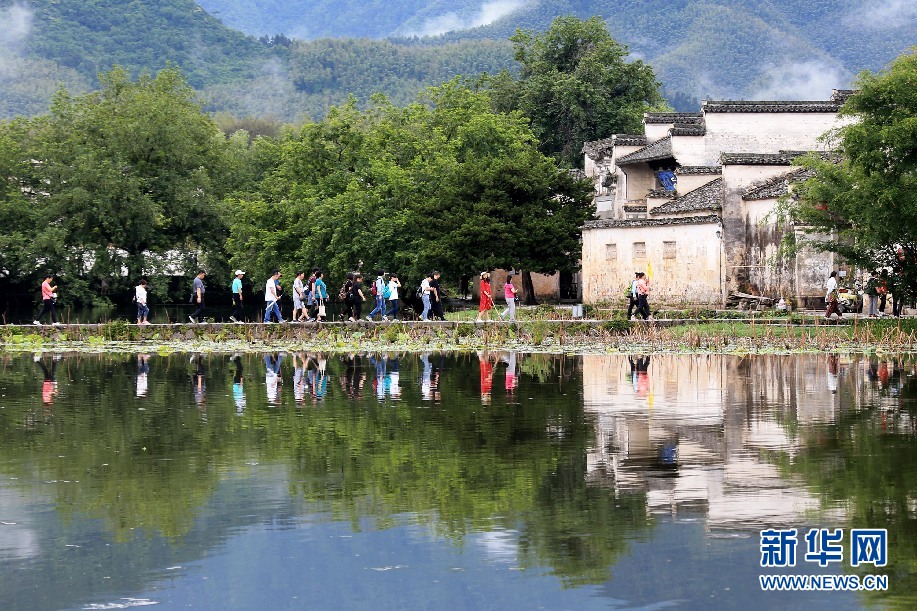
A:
197	380
380	361
392	387
49	385
832	361
639	371
318	376
238	390
272	378
353	378
487	376
143	368
299	378
512	376
426	377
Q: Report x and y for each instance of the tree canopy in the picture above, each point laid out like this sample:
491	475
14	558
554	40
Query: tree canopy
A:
862	201
576	85
108	178
446	183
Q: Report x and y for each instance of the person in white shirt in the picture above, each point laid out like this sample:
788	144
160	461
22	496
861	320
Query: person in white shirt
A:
271	298
379	289
425	296
393	285
140	297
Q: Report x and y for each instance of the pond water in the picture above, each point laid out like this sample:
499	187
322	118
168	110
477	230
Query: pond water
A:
461	481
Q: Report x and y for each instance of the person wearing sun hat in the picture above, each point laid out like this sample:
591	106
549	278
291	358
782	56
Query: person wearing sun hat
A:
237	297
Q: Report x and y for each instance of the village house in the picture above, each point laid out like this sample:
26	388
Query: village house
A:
691	202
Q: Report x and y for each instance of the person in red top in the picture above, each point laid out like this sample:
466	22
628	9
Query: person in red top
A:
48	295
487	299
643	293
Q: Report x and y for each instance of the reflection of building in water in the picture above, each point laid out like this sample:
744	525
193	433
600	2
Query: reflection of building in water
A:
701	431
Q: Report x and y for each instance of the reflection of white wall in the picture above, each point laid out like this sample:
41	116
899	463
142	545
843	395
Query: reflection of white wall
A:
719	412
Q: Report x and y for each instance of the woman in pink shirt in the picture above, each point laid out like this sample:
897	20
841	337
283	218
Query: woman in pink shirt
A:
509	292
48	295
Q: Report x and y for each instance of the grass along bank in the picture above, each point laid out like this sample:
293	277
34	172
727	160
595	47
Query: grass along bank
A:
720	336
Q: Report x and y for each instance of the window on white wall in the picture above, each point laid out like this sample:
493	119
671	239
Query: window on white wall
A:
639	250
611	251
668	250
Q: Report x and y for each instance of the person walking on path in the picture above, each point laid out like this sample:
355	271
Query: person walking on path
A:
320	296
425	297
48	299
379	289
393	285
357	297
643	294
436	297
346	295
831	297
872	290
486	301
271	298
197	297
140	297
632	297
299	298
236	289
311	301
884	285
509	293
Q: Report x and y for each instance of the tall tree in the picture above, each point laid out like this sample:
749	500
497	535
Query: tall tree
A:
862	201
576	85
447	183
132	169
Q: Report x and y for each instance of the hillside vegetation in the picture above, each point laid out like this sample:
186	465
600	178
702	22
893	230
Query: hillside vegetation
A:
697	48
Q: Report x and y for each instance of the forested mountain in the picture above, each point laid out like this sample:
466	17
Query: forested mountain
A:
698	48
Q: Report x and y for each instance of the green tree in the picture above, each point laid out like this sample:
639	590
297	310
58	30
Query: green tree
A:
447	183
131	170
862	200
576	85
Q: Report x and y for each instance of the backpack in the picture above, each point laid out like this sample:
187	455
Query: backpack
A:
342	294
386	291
373	289
420	292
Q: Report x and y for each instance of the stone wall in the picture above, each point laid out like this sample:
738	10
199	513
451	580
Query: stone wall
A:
685	259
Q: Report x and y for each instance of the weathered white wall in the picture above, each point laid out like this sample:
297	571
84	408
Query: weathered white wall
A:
734	132
640	179
692	277
689	150
657	131
688	183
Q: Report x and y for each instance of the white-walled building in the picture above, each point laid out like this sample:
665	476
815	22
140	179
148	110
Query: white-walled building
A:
712	232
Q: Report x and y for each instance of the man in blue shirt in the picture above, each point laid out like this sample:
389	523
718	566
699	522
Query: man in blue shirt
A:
197	297
237	297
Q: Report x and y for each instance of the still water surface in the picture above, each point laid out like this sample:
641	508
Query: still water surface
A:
493	481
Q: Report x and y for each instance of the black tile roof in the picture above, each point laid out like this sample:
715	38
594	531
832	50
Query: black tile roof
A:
661	193
689	130
707	197
629	139
684	220
715	106
597	149
634	208
661	149
678	118
781	158
688	170
777	186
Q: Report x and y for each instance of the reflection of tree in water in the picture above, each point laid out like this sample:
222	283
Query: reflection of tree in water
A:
139	471
457	467
867	461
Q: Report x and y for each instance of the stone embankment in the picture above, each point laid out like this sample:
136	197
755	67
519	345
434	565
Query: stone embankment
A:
579	336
